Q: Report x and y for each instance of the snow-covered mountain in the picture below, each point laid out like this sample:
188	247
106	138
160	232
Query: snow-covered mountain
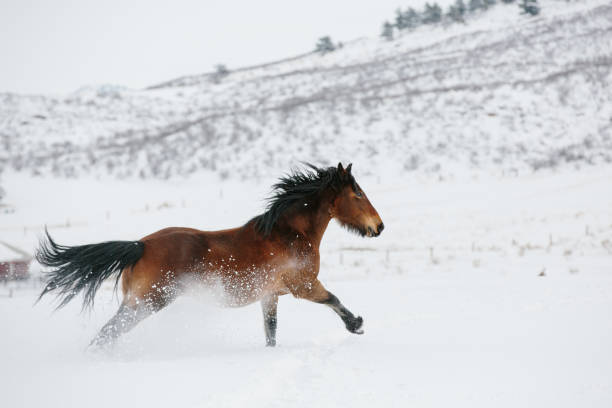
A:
501	93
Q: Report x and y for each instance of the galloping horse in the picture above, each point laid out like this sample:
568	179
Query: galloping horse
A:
273	254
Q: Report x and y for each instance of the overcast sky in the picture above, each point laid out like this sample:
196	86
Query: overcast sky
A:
57	46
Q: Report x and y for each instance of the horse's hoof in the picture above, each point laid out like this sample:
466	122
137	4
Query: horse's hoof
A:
354	326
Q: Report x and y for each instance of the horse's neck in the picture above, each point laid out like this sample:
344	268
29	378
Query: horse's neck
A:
311	220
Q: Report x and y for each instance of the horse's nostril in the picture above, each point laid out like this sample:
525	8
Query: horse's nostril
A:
381	227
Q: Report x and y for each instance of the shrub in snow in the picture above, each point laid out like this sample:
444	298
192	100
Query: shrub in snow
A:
432	14
412	18
407	19
387	31
530	7
456	12
400	20
488	3
475	5
221	72
325	45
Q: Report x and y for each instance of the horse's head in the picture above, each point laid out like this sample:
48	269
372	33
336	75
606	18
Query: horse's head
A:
352	208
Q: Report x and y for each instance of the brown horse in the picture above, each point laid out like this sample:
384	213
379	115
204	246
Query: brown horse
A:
273	254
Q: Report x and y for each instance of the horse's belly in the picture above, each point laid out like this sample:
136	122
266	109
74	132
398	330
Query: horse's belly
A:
239	287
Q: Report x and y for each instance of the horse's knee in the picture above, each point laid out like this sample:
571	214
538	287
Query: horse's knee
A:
309	290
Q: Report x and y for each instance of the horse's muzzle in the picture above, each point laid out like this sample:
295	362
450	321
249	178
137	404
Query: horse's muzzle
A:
379	229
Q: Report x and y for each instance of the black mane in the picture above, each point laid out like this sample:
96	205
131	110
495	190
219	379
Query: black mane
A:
296	187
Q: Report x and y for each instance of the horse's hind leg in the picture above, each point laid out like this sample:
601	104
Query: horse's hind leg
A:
268	307
131	312
123	321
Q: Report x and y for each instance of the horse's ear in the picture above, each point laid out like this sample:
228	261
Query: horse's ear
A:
348	168
340	168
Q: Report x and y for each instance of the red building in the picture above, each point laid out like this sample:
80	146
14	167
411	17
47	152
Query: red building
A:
14	263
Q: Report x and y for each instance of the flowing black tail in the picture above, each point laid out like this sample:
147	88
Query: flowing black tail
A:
85	267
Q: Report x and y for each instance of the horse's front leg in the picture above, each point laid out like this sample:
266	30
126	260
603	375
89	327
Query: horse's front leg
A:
268	307
315	292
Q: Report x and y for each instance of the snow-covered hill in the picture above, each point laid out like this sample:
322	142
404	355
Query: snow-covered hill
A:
502	93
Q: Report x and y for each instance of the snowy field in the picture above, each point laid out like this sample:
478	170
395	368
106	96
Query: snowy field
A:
481	292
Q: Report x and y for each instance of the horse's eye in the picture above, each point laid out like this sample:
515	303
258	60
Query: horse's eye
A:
358	193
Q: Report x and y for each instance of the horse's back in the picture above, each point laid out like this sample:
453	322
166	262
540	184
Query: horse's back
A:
184	231
170	231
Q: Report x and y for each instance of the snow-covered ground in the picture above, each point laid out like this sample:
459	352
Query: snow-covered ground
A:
466	340
455	311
